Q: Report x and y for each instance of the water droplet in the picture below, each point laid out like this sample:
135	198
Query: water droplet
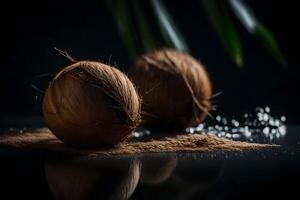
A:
261	110
224	120
236	123
188	130
273	131
282	130
247	133
267	109
200	127
265	117
266	130
283	118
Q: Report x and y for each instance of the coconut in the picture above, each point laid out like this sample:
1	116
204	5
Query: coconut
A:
175	89
92	178
91	104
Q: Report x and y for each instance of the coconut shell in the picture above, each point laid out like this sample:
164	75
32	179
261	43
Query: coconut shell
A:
91	104
175	89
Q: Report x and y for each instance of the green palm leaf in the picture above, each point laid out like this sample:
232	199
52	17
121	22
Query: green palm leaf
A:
222	22
168	28
123	19
266	37
147	37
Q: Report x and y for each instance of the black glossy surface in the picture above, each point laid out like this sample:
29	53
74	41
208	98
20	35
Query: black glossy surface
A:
220	175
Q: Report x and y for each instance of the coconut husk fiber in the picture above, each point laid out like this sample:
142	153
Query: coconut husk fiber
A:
43	139
175	88
86	97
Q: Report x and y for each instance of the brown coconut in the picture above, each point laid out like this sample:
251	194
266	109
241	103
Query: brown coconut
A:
91	104
175	89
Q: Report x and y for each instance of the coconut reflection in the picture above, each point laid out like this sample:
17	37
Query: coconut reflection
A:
93	179
156	168
150	176
188	179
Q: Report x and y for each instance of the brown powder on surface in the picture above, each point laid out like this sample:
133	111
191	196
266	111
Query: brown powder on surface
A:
43	139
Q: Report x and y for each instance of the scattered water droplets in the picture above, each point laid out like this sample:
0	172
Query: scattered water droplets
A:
260	126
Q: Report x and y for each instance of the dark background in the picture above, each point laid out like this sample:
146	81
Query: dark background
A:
30	31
